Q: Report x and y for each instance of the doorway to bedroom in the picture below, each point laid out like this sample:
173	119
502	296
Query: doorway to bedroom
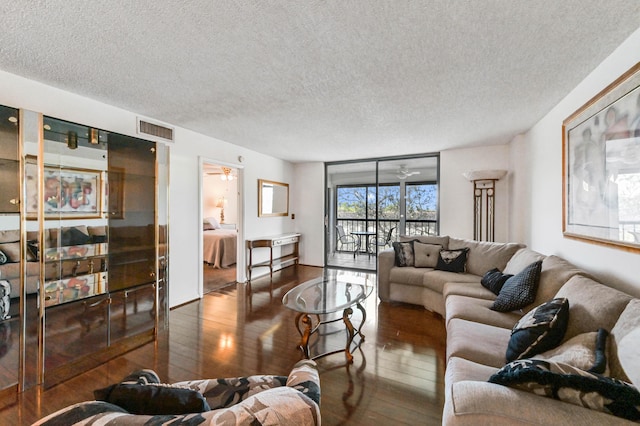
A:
220	213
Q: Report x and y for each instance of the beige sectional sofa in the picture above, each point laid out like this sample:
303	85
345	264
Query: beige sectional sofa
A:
477	337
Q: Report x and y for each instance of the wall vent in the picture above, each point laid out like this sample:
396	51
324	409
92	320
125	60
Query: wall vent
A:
159	132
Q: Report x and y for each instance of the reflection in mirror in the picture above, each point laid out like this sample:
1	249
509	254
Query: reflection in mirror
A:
74	199
273	198
11	262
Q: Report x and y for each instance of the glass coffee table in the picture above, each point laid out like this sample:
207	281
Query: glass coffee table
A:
334	292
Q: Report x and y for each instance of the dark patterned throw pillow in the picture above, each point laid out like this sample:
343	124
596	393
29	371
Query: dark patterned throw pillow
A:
404	253
541	329
519	290
572	385
3	258
453	260
142	393
494	280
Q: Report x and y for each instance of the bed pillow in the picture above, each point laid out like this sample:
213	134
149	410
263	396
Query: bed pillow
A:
493	280
519	290
572	385
404	255
142	393
541	329
213	222
426	255
453	260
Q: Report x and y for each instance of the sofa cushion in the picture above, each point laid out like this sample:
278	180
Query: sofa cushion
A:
622	340
404	253
481	343
521	259
554	274
484	255
436	279
425	255
519	290
407	276
478	310
452	260
459	369
591	305
572	385
9	236
493	280
470	289
427	239
539	330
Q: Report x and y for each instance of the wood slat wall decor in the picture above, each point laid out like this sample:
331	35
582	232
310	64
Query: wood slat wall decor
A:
397	376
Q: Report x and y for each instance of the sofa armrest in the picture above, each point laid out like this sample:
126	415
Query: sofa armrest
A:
386	260
476	403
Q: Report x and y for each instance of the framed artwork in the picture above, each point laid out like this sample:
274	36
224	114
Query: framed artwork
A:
601	166
69	193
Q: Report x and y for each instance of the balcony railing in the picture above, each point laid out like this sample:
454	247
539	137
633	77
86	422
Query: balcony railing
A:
412	227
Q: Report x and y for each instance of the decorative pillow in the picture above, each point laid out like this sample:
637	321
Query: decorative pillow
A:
494	280
585	351
453	260
3	258
75	236
142	393
519	290
541	329
404	253
426	255
571	385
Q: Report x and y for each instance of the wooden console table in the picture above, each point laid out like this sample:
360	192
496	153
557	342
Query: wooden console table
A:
270	243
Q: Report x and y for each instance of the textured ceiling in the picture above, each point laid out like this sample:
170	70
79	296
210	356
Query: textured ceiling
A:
321	80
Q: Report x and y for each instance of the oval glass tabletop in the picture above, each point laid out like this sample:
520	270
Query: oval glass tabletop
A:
327	294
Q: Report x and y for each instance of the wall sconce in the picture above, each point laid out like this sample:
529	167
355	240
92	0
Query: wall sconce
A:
72	140
484	200
220	204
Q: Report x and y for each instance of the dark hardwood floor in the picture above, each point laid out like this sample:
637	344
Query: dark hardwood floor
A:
216	278
397	376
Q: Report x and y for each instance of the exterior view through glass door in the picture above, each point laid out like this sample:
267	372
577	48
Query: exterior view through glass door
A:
369	204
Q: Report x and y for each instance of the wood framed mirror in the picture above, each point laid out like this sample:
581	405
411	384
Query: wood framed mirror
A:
273	198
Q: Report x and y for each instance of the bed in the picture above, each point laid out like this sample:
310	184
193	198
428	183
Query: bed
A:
219	247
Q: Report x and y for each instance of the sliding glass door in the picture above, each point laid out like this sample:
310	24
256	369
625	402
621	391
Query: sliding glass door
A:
369	204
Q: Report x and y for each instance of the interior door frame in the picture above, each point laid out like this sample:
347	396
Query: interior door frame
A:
240	252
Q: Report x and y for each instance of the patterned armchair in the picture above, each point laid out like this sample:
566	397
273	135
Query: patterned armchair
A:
253	400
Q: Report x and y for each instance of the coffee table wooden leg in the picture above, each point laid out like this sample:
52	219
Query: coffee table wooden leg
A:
350	333
302	318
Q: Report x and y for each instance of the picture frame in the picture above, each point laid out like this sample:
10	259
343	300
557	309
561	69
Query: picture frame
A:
601	166
68	193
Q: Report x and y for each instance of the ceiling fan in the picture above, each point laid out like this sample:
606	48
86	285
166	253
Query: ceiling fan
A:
404	172
225	173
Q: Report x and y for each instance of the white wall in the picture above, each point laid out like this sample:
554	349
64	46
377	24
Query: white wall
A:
184	266
456	192
542	146
309	210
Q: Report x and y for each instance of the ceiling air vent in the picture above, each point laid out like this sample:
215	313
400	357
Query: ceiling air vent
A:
158	132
